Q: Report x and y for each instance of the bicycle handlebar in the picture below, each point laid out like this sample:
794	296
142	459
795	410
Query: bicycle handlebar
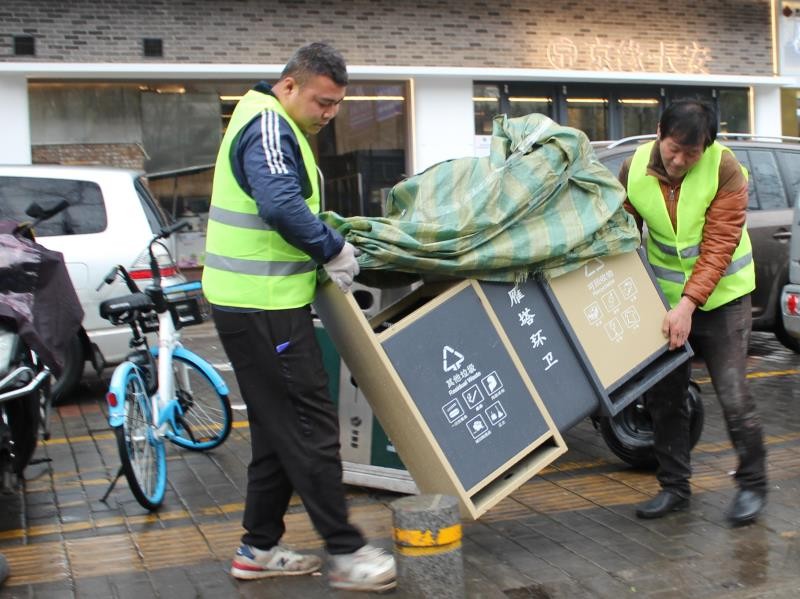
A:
174	228
164	234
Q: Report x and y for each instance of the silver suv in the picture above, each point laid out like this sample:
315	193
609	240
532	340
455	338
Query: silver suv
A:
774	167
790	298
110	220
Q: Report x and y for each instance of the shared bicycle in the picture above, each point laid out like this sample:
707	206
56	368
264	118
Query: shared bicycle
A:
165	391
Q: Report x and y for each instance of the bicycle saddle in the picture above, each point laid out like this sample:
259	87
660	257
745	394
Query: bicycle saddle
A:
126	308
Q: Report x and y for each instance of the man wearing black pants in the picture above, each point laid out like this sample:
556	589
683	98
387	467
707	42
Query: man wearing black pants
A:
691	192
720	337
263	244
293	426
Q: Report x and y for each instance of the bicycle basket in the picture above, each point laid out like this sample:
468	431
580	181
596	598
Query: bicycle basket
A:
188	307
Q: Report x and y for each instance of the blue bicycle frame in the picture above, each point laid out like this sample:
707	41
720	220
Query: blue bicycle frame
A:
116	414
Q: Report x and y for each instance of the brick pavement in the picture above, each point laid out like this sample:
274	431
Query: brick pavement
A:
569	532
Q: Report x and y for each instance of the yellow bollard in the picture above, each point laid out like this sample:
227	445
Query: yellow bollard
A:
427	546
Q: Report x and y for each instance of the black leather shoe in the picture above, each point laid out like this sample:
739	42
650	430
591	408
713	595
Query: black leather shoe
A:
746	506
661	505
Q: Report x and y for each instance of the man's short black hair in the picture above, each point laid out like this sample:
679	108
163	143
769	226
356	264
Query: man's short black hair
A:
689	121
316	58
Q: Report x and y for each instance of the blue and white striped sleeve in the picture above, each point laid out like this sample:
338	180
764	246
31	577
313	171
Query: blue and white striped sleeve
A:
271	170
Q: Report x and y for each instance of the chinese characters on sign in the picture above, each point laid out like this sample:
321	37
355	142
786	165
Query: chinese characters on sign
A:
469	389
628	55
527	318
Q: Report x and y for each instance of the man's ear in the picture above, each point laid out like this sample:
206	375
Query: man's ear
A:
290	83
284	86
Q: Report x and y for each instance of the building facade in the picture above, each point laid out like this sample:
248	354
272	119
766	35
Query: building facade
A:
149	84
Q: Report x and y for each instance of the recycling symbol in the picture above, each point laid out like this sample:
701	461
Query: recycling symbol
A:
451	359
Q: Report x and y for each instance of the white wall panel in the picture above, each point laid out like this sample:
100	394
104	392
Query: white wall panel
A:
14	120
767	110
444	120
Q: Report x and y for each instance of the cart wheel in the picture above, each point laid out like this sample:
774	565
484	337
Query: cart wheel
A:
630	438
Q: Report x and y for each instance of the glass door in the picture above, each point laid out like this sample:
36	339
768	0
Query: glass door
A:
590	115
362	152
638	114
523	105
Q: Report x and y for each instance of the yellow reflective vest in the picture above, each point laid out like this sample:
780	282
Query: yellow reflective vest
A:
247	264
673	254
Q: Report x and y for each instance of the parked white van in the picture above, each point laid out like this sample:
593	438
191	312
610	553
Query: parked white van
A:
110	220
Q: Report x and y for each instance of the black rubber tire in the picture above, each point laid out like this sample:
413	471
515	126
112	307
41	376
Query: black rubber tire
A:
789	342
635	421
204	409
72	371
141	451
23	420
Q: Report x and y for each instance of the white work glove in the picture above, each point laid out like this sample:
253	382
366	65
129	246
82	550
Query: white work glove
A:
343	267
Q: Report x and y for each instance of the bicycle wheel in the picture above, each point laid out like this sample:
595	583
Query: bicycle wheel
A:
207	416
141	449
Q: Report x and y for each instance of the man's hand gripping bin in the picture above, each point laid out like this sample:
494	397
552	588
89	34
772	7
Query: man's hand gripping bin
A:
448	388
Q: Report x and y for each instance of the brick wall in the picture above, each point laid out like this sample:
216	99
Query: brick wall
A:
713	36
121	155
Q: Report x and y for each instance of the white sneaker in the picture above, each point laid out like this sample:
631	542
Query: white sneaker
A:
250	563
368	569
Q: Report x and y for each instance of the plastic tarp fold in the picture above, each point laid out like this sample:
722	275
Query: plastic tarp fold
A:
540	204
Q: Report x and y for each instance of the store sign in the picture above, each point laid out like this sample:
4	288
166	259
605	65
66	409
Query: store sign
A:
628	55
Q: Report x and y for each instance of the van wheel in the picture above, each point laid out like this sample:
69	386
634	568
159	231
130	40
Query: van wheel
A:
631	436
72	371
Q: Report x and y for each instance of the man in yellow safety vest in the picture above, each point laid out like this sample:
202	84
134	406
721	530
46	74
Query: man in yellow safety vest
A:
691	193
264	242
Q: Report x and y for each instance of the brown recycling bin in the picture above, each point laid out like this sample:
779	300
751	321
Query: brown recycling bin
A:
473	381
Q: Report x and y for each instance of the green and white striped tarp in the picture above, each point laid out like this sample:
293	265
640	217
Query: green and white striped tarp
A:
539	204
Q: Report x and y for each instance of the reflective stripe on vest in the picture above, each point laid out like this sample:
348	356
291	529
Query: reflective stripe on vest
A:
247	263
675	276
672	254
258	267
238	219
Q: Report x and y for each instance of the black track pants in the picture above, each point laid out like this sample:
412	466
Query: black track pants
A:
294	427
720	337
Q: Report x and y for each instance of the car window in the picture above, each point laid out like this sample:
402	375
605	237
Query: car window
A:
752	197
86	212
156	217
790	166
614	162
769	188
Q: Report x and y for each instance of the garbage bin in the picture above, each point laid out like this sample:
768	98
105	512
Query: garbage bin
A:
504	434
369	458
474	382
590	339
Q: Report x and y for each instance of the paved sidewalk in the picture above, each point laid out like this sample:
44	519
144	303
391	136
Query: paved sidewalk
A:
569	532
